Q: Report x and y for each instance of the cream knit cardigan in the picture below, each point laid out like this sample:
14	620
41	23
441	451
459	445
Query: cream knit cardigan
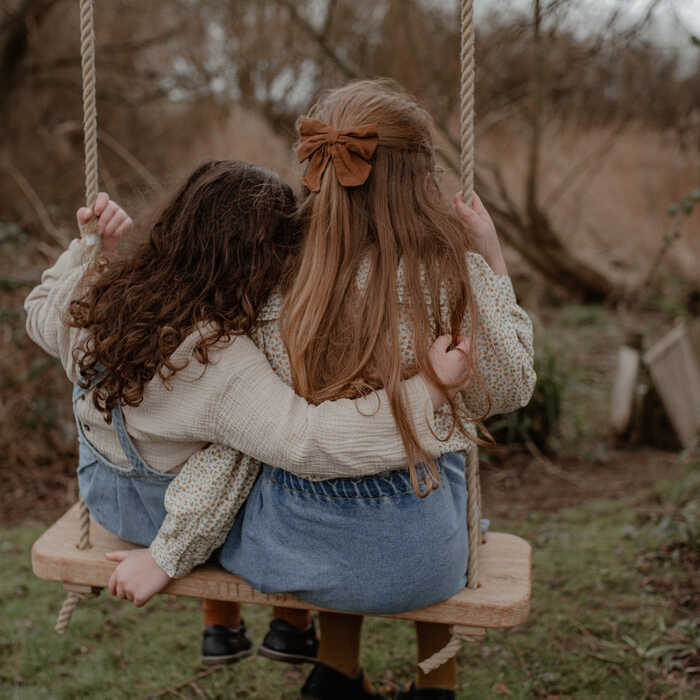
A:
236	400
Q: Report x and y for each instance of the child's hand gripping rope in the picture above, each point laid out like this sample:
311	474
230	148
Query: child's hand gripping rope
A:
112	221
484	238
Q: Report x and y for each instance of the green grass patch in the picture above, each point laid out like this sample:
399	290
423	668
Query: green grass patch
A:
607	622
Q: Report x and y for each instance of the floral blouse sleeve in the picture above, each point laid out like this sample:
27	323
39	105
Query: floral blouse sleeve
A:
505	352
202	503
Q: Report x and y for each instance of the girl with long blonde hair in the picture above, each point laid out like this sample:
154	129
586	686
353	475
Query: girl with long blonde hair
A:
386	265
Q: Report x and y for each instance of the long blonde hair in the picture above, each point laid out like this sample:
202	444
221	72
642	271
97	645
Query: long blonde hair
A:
343	339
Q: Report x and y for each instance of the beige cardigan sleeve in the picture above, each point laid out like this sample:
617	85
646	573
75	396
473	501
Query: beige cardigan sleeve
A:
48	302
260	415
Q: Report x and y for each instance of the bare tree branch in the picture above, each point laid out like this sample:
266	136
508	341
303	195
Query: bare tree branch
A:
129	158
533	177
16	45
108	50
346	67
330	14
42	214
593	160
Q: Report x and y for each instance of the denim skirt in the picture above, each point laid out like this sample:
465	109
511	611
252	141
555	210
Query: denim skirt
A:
358	545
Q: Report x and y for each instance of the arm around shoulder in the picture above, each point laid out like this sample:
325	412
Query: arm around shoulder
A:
263	417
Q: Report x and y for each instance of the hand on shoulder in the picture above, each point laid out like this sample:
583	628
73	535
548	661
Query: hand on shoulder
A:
451	365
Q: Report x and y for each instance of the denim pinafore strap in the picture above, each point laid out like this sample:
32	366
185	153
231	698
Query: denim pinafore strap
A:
128	501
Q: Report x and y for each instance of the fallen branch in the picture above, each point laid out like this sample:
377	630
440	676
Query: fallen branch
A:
190	682
551	468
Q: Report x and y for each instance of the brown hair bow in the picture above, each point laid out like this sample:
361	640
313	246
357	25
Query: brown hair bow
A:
350	150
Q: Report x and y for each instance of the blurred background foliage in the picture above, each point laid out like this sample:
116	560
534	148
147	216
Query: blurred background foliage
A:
588	133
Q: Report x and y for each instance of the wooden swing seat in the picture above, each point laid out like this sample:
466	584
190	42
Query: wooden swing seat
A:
502	600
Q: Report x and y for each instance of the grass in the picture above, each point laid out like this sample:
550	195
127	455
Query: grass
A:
609	620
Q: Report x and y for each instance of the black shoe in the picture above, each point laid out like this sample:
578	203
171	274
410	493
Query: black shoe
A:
426	693
284	642
325	683
225	645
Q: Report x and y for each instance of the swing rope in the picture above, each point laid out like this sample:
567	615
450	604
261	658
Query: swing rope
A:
91	237
467	76
68	608
87	55
89	230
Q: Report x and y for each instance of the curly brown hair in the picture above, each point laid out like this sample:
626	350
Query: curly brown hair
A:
212	255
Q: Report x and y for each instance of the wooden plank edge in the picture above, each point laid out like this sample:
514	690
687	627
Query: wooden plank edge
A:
221	585
452	611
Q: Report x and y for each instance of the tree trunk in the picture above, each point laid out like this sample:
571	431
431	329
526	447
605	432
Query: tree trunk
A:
15	43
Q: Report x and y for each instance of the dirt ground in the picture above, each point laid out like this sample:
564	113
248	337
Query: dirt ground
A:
523	484
512	487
